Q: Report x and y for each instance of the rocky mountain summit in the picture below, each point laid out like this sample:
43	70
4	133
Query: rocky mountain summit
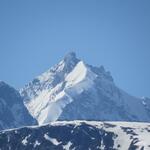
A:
74	90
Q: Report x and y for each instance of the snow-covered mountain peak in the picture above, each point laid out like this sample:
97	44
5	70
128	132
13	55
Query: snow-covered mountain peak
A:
53	90
65	66
74	90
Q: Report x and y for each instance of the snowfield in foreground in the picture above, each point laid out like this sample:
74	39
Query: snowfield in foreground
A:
78	135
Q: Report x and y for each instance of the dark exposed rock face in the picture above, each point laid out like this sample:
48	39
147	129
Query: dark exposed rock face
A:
13	113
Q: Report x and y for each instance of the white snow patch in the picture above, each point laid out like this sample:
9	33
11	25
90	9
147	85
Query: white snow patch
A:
52	140
67	146
45	76
81	73
24	141
54	109
78	74
36	144
143	102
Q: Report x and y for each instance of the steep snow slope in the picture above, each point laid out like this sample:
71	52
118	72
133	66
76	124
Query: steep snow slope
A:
79	135
74	90
13	113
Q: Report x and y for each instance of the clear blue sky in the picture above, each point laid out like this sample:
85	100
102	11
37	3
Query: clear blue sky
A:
34	35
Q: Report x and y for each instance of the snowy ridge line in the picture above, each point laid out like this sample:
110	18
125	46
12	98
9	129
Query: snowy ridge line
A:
97	135
78	122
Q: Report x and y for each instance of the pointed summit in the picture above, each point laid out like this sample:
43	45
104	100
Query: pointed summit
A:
70	61
71	56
